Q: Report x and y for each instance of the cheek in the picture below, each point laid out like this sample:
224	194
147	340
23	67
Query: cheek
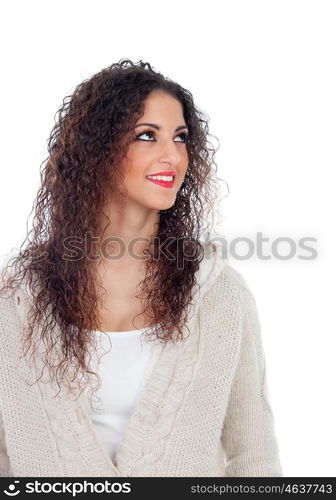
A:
135	166
184	155
136	176
185	161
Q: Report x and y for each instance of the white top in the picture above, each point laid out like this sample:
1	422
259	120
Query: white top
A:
122	372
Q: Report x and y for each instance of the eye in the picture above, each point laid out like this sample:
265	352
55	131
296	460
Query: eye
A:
150	133
184	135
147	132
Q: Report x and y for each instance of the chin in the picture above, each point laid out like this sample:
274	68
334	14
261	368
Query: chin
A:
158	205
163	206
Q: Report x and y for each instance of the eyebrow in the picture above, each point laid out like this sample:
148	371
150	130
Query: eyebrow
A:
154	125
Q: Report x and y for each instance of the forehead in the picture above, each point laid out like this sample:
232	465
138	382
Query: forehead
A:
162	104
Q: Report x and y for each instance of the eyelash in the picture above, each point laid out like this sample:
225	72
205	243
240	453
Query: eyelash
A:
152	133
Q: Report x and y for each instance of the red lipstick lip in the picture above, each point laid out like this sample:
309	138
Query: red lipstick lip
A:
165	172
166	184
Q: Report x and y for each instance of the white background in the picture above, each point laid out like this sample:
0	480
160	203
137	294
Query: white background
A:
264	71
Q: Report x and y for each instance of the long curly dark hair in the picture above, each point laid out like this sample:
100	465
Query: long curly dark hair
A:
85	148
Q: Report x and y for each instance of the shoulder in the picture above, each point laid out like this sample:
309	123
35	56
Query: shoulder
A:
231	291
218	277
234	279
216	263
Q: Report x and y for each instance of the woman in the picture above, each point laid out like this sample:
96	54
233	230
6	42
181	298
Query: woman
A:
118	283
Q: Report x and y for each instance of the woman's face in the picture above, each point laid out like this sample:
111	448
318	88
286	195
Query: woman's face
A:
159	147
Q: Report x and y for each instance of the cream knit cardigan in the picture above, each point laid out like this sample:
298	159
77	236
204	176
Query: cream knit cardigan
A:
204	409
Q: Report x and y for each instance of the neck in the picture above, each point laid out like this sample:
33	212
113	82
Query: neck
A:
128	231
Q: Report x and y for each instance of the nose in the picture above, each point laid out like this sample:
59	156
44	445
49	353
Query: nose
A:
169	152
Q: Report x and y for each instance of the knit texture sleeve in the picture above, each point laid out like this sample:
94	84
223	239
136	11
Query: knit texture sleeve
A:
248	434
5	468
